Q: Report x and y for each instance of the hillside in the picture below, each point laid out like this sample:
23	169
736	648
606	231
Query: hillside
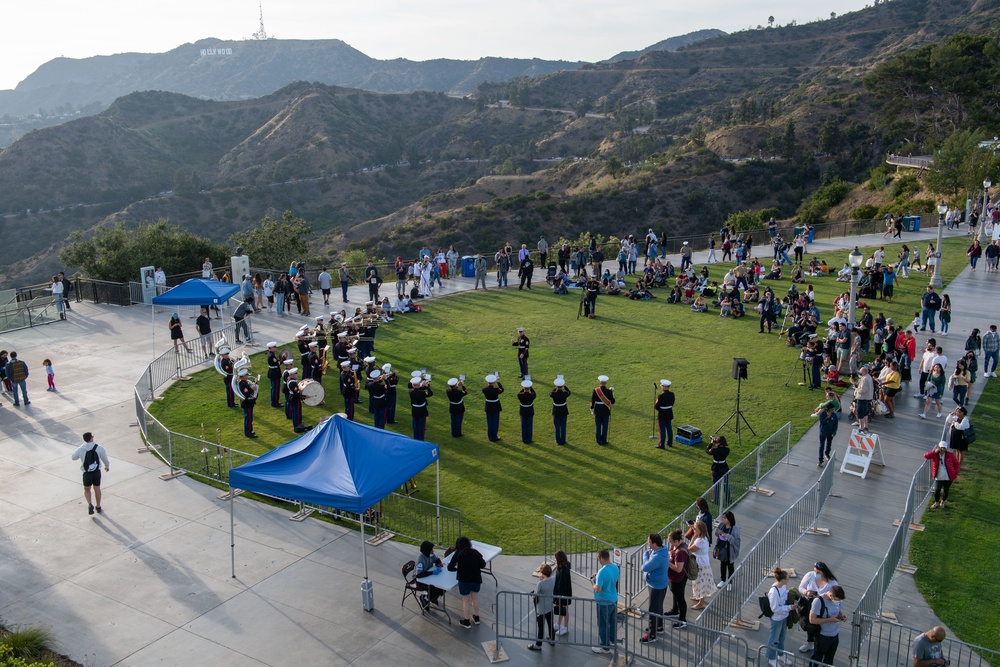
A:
610	148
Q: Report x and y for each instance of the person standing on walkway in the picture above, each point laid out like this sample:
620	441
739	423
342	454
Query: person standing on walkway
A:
665	414
927	650
562	591
93	456
727	546
930	304
826	613
957	440
815	583
828	422
17	375
864	393
718	449
601	400
480	268
991	351
777	596
468	565
677	577
605	585
655	571
700	547
542	597
944	471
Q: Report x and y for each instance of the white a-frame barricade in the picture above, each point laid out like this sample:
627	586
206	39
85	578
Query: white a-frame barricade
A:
863	449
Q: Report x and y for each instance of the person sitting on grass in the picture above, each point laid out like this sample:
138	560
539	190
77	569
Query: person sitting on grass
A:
774	273
824	268
559	283
699	305
726	305
751	294
711	290
813	267
844	275
640	293
798	276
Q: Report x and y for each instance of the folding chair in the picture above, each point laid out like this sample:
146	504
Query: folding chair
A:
410	585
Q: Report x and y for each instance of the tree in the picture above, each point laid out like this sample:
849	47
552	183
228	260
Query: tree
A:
274	243
960	165
789	144
770	21
828	140
116	253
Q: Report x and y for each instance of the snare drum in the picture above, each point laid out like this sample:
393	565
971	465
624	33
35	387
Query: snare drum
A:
312	392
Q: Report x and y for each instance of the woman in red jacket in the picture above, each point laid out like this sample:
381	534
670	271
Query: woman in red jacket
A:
944	469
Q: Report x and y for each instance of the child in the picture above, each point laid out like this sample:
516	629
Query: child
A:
50	374
916	322
543	606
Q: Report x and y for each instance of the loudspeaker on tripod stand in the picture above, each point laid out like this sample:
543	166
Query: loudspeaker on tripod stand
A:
740	368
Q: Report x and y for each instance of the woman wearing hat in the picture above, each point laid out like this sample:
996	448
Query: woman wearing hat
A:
492	392
944	470
526	399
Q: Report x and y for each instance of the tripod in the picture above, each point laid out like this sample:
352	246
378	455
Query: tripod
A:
737	415
800	362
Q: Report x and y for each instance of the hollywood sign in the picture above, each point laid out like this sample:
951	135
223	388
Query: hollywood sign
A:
216	52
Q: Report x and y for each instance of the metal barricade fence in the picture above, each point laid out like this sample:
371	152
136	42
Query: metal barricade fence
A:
581	548
870	604
727	604
689	646
741	479
419	519
515	619
891	644
793	659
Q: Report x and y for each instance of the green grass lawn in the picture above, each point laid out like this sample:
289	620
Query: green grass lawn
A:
619	492
966	530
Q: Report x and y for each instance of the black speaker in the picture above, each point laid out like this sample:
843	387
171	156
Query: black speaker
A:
740	368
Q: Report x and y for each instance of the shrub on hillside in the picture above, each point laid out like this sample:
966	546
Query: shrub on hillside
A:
864	212
745	221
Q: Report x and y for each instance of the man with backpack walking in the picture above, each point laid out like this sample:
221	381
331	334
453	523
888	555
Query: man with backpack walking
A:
93	456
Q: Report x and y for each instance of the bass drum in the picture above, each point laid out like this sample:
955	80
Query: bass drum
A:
313	392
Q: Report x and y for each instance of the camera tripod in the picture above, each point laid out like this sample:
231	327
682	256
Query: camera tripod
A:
799	363
738	416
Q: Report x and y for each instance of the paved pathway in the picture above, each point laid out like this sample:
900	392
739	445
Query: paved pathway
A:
148	582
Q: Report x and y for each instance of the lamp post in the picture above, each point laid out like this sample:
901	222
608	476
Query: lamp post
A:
854	260
982	219
936	277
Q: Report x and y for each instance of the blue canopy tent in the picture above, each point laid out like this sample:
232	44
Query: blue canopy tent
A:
193	292
339	464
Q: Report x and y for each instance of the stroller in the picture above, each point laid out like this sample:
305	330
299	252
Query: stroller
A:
550	274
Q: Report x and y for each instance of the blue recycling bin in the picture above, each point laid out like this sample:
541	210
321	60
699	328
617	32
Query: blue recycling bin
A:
911	223
812	233
468	266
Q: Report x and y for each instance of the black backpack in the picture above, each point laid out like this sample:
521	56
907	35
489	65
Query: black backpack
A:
91	461
765	607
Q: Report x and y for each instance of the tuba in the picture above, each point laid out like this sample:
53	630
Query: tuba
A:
243	362
220	345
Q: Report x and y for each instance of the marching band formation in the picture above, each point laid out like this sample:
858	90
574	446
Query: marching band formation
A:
349	344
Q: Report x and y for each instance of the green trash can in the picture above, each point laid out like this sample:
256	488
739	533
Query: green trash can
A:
798	230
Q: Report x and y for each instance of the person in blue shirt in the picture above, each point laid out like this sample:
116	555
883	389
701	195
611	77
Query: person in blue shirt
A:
606	595
655	567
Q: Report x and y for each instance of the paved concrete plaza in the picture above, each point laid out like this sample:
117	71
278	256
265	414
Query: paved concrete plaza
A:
148	582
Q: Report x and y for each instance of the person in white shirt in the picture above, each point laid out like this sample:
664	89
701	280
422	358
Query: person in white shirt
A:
777	597
269	293
92	456
925	368
939	358
160	279
815	582
57	293
207	269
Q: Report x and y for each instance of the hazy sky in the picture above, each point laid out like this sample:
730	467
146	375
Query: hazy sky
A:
36	31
